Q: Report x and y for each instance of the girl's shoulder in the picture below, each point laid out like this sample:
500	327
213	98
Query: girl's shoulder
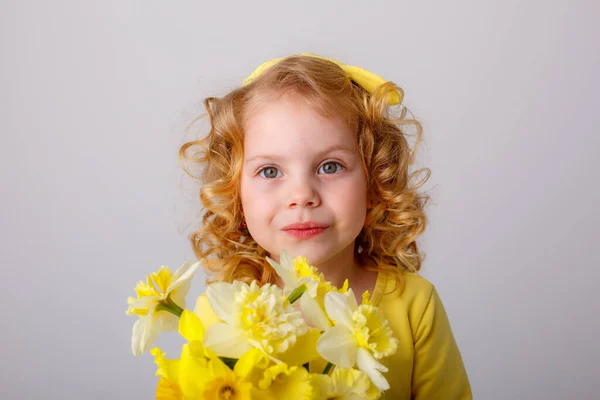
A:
408	302
414	289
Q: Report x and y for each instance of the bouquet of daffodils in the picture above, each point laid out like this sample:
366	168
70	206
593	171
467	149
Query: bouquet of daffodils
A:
309	340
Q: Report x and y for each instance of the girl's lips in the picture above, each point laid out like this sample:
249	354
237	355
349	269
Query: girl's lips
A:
304	233
304	225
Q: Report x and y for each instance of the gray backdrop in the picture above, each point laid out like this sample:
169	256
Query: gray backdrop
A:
94	101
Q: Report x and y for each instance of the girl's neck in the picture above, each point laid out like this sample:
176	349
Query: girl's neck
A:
339	268
345	266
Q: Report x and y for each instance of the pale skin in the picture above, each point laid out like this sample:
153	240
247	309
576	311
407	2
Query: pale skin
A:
300	166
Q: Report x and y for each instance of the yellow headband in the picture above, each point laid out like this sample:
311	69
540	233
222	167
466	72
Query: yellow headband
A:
367	80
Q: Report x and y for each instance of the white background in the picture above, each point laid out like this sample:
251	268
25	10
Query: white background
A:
94	97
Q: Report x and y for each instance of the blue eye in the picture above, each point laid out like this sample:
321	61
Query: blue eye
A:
269	172
330	167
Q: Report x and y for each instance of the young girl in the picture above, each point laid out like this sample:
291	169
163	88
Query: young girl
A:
306	157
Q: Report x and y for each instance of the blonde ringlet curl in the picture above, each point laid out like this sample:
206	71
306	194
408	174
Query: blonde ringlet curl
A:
387	242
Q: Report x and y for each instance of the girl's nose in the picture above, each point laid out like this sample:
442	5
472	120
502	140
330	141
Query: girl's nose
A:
303	194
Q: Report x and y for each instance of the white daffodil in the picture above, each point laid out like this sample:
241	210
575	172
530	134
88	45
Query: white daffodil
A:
296	273
360	337
313	313
252	316
159	303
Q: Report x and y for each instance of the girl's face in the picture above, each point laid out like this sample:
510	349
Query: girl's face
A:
300	167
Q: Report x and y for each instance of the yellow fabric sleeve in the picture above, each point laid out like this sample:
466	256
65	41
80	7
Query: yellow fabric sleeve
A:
438	370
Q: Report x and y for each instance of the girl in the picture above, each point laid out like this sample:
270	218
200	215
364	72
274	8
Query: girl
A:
306	157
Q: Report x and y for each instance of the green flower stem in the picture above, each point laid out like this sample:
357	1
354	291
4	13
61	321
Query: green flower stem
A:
230	362
297	293
327	368
170	306
178	310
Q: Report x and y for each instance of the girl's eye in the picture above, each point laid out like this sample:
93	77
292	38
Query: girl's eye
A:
330	167
269	172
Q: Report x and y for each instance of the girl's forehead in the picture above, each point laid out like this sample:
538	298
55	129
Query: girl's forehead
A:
290	125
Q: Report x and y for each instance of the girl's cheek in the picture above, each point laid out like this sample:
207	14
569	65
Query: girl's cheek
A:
255	184
267	186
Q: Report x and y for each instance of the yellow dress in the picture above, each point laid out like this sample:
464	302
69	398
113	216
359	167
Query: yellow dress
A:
427	364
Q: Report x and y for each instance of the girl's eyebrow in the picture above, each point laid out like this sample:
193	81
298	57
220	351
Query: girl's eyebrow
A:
320	154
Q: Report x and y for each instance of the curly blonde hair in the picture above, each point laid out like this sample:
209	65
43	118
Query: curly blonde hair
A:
388	238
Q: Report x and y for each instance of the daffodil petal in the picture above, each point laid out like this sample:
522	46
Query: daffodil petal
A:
322	386
193	373
313	313
286	261
169	322
145	331
168	390
338	309
250	360
221	296
181	281
190	326
338	346
226	341
186	268
311	285
160	279
283	382
283	269
145	302
205	312
167	368
218	367
304	350
370	366
351	300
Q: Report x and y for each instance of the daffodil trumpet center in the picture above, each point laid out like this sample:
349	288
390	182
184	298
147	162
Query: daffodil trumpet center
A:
170	306
296	294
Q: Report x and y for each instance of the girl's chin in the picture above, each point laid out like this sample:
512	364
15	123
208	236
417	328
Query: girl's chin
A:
316	255
313	254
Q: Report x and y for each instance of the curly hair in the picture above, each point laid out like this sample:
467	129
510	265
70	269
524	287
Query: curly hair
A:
388	238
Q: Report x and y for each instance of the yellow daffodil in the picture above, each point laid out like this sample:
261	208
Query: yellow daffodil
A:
159	301
226	384
167	390
205	376
282	382
274	380
201	375
252	316
344	384
168	385
360	337
314	314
